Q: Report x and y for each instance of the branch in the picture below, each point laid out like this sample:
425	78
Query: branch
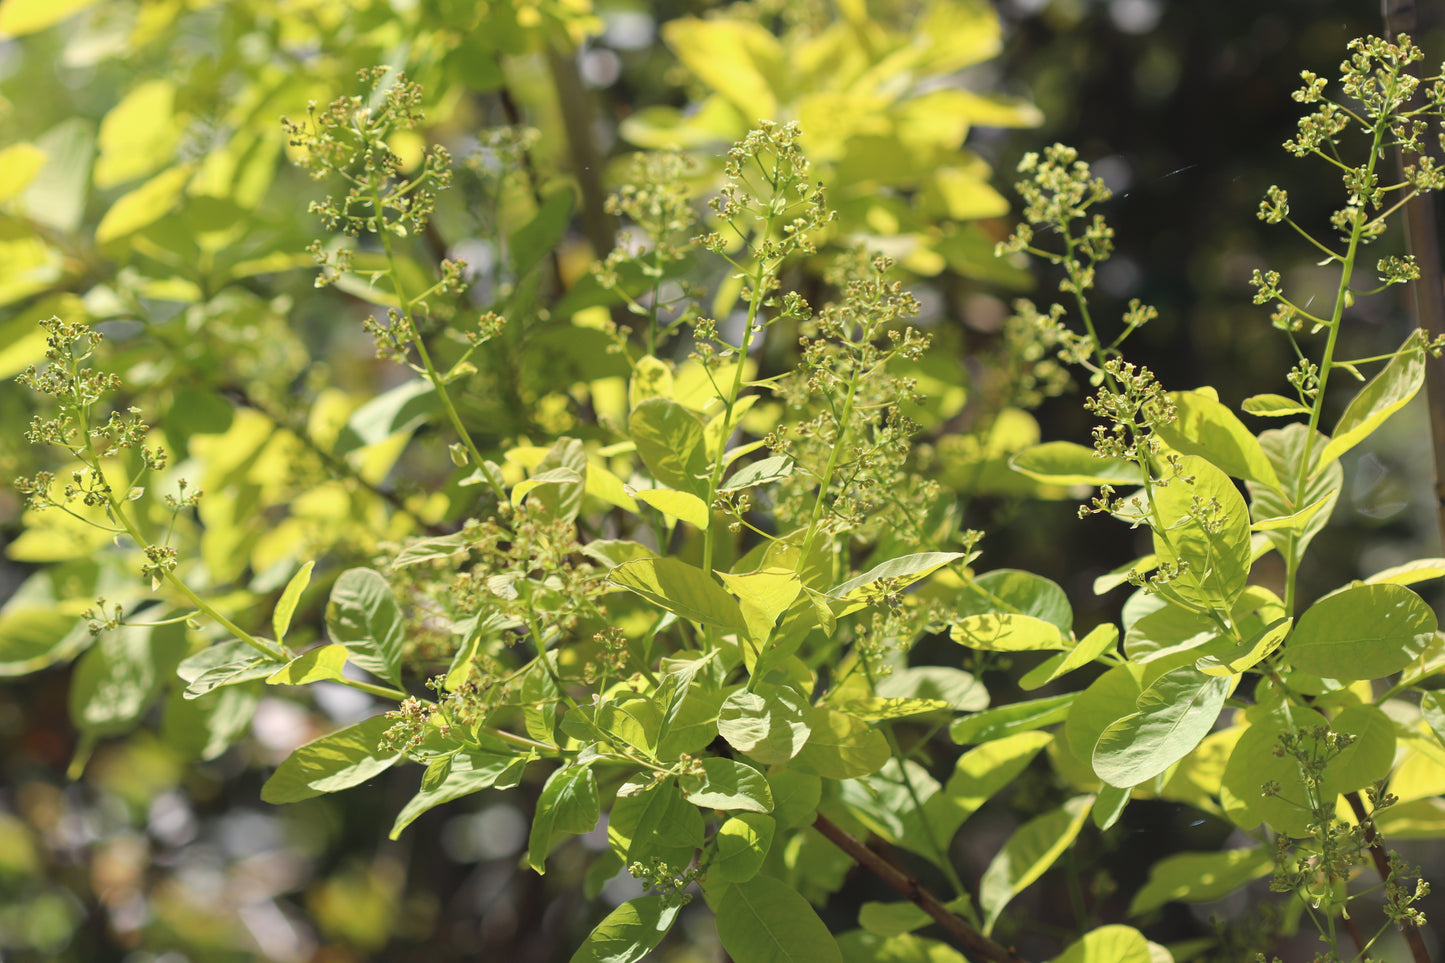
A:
965	935
1376	844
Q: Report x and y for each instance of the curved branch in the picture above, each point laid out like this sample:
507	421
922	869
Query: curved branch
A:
978	945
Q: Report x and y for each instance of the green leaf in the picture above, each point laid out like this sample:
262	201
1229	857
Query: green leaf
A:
1102	638
689	716
1371	756
323	663
1011	719
892	919
1365	632
960	690
651	378
470	772
559	477
764	920
20	17
1202	426
431	550
57	196
119	677
743	842
139	134
651	820
669	440
1255	761
1200	877
1004	632
1065	463
739	59
1273	406
227	663
1174	715
842	746
759	473
33	637
568	805
1028	854
345	758
900	573
1386	394
1108	944
861	946
1017	592
728	784
566	462
1169	631
1419	570
978	775
1247	654
19	163
629	932
364	616
1215	547
399	410
1285	449
796	796
1109	805
1432	708
771	724
682	505
531	242
286	607
1109	697
682	589
204	728
764	595
143	206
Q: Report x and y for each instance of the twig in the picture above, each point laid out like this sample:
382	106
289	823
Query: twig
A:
978	945
1376	845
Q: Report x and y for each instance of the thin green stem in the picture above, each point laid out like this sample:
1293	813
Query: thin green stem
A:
405	306
755	305
826	481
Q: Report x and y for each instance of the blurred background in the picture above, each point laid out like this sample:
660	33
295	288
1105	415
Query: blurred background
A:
1180	107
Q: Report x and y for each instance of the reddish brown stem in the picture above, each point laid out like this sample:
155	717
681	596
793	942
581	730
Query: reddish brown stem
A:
975	943
1376	844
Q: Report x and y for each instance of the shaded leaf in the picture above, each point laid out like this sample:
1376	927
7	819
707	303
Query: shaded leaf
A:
568	805
364	616
1028	854
764	920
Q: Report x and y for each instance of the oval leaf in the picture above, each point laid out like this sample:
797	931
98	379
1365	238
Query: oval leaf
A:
1174	714
364	616
682	589
742	845
1362	633
1386	394
764	920
345	758
728	784
629	932
1028	854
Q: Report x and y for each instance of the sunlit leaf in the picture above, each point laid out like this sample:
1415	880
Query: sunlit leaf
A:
342	759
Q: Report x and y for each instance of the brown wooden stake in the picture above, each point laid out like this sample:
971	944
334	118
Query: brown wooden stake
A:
1423	240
